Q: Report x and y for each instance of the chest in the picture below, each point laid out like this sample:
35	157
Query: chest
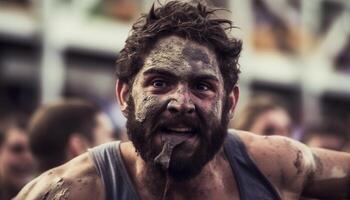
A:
220	187
222	193
214	193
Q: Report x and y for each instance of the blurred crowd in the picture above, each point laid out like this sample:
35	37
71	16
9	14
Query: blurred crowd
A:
58	132
268	115
52	135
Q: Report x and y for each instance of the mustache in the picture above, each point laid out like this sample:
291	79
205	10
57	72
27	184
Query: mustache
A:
155	121
189	122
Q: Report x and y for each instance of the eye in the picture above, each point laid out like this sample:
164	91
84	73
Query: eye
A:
202	87
158	83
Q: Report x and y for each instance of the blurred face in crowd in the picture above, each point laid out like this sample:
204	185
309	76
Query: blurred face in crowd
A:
178	93
103	131
273	122
16	161
327	141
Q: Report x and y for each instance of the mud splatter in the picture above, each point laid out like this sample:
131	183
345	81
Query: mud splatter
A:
319	164
44	197
298	162
318	170
195	54
338	172
175	55
148	102
57	191
166	55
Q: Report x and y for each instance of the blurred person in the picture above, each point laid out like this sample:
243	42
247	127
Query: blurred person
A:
177	76
328	135
264	115
64	130
347	147
120	134
16	161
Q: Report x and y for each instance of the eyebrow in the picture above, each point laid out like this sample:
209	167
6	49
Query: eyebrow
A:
204	77
159	71
167	73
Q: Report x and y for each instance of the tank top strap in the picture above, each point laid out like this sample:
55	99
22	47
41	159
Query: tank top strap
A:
110	167
251	182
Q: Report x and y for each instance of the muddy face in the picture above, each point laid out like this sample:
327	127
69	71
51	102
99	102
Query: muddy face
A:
179	93
181	70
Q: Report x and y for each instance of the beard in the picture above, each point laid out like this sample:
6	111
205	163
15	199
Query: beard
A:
186	160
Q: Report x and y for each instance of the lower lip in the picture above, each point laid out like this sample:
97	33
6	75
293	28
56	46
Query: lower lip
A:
188	138
179	135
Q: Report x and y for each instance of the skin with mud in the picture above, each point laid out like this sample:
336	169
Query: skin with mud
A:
185	74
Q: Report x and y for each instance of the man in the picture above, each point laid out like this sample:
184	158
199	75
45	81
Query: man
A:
177	87
64	130
16	161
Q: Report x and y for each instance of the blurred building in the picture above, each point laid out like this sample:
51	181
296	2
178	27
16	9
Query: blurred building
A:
298	50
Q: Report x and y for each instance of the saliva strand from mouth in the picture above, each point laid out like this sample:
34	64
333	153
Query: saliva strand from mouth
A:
164	157
166	187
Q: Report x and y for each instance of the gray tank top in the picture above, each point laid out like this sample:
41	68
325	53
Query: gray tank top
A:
252	184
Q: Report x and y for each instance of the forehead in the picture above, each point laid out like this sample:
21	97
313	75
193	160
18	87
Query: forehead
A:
16	135
181	55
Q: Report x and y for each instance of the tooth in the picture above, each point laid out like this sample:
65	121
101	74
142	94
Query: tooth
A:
181	129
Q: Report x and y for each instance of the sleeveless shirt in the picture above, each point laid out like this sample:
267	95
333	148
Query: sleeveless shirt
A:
251	182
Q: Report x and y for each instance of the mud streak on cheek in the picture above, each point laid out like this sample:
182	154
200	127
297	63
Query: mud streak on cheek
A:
214	106
143	105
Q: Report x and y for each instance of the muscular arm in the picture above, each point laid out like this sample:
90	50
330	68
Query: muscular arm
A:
76	180
297	170
330	177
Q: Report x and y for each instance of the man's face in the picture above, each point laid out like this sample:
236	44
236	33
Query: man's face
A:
16	161
178	93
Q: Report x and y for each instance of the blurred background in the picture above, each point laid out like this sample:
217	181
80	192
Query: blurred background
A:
295	50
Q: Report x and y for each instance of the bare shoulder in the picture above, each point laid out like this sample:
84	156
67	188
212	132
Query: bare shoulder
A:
285	162
77	179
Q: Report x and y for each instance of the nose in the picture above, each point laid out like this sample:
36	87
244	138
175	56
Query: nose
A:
181	102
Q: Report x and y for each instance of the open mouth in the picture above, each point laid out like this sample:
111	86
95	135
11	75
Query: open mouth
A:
178	133
185	131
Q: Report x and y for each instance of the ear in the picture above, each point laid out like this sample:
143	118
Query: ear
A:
233	96
77	145
122	93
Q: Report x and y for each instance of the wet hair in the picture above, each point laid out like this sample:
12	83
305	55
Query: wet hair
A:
194	22
52	125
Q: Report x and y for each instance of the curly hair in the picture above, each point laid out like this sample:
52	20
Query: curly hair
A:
196	23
